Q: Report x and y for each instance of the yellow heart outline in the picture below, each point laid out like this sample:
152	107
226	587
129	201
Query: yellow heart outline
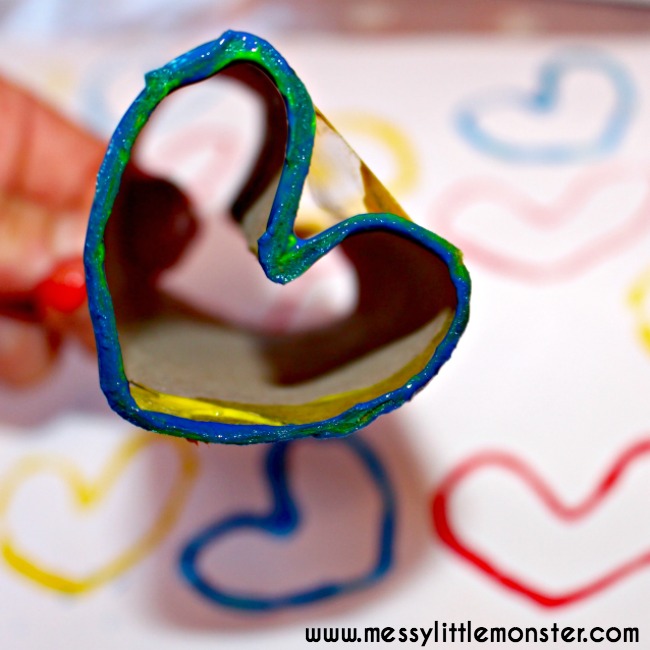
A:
392	138
637	297
89	493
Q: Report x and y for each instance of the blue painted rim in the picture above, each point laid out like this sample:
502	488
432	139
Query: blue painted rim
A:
282	254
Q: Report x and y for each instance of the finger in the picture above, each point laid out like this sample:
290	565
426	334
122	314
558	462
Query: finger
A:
154	223
32	242
47	173
76	324
61	303
151	226
27	352
45	158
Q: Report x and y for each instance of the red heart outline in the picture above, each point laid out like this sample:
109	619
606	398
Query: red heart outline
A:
543	216
567	513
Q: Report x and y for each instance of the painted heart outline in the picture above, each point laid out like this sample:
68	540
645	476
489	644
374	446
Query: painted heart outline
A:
637	299
88	494
543	100
544	218
509	463
284	519
282	254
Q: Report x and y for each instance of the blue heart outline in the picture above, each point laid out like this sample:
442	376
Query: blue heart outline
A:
284	519
543	101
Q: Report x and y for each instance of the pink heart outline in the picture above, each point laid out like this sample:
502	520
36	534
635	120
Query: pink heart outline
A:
568	513
460	196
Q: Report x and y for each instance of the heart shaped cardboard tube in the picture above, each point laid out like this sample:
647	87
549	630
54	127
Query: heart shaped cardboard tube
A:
183	361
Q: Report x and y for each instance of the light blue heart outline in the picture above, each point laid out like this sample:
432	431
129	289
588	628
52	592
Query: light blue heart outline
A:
283	519
543	101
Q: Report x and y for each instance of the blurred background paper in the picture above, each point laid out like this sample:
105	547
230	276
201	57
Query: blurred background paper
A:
554	369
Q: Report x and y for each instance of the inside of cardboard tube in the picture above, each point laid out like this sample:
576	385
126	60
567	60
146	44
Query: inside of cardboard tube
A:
183	361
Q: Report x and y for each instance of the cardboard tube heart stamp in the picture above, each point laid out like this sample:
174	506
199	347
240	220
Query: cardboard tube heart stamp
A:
170	368
546	99
445	527
284	519
88	495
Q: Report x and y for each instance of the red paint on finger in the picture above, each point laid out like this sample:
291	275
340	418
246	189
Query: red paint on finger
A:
64	290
